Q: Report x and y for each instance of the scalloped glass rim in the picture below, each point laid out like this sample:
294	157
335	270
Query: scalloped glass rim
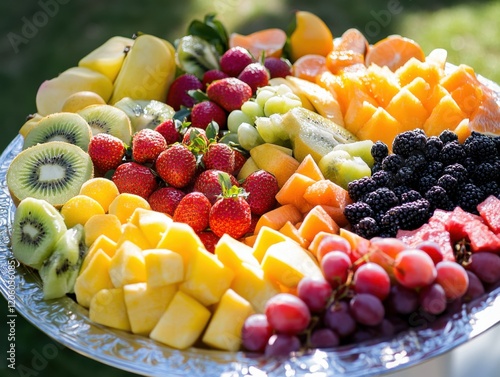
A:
67	322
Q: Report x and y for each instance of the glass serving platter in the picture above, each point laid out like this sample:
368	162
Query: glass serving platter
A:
68	323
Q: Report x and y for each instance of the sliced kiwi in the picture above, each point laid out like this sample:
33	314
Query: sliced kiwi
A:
60	270
108	119
144	113
195	55
53	171
67	127
36	229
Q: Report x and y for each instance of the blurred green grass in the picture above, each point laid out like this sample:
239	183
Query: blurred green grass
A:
70	29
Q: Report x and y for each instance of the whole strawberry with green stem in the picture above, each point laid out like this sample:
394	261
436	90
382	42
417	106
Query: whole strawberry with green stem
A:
193	209
207	182
106	152
133	178
176	165
231	213
147	144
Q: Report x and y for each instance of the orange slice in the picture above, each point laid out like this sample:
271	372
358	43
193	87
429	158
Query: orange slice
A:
338	60
309	66
393	52
311	36
354	40
268	41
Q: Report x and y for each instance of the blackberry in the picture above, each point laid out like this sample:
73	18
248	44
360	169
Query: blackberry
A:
387	231
379	151
356	211
408	216
433	148
448	136
409	142
484	172
417	162
406	175
481	147
491	188
360	187
377	166
469	164
496	140
469	197
438	198
383	178
426	182
392	163
452	152
410	196
381	199
457	171
434	169
400	190
367	227
448	182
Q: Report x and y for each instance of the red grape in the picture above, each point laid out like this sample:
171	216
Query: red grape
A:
367	309
282	345
338	318
433	299
432	249
486	266
324	338
256	332
335	267
453	278
475	288
332	242
403	300
315	292
287	314
373	279
413	268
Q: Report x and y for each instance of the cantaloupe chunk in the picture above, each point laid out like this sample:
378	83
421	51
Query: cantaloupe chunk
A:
459	76
266	237
163	267
182	323
127	265
326	192
309	168
436	94
381	126
315	221
407	110
132	233
287	263
270	158
106	224
232	253
445	116
292	192
468	97
337	214
190	241
419	88
277	217
107	307
358	113
291	231
224	329
151	223
145	305
103	243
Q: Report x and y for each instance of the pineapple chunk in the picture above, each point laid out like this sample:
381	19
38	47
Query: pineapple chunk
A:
206	278
127	265
190	241
152	224
163	267
287	263
146	304
182	323
266	237
106	224
232	253
132	233
103	243
107	307
251	284
94	278
224	329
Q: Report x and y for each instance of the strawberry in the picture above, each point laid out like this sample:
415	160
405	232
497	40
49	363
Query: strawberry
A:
212	75
209	240
234	60
229	93
261	187
231	213
165	199
147	144
278	67
219	156
239	160
176	165
207	111
178	92
133	178
208	184
255	75
193	209
170	130
193	132
106	152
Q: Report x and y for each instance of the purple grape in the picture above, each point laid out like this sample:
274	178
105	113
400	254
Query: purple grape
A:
282	345
256	332
475	288
287	313
486	266
403	300
367	309
338	318
315	292
324	338
335	267
372	278
433	299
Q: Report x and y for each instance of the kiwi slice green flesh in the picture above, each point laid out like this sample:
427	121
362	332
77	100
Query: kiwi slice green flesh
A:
108	119
67	127
53	171
196	56
36	229
60	270
145	113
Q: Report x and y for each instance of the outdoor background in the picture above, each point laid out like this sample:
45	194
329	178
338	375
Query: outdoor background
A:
52	35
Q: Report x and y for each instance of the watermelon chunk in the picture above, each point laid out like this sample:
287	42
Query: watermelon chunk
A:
489	210
457	222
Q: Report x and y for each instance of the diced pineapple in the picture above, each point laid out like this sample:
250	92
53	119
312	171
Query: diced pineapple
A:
182	323
132	233
146	304
224	329
106	224
163	267
182	239
152	224
232	253
206	278
266	237
127	265
287	263
102	242
107	307
124	205
251	284
94	278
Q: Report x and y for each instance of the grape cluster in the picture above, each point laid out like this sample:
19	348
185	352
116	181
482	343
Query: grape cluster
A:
421	174
390	289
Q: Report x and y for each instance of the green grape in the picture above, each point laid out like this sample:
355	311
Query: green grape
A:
252	109
263	94
278	127
266	130
235	118
275	105
291	102
283	89
248	136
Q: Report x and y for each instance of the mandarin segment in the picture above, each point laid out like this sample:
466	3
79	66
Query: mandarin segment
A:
124	205
106	224
101	189
394	51
79	209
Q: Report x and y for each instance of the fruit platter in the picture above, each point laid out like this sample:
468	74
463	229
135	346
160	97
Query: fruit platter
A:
231	204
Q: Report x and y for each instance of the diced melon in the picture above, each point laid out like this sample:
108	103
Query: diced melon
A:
445	116
152	224
358	113
315	221
145	305
291	231
163	267
408	110
287	263
103	243
277	217
224	329
106	224
248	168
382	126
94	278
232	253
127	265
107	307
133	234
270	158
206	278
182	323
327	192
309	168
292	192
266	237
172	237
